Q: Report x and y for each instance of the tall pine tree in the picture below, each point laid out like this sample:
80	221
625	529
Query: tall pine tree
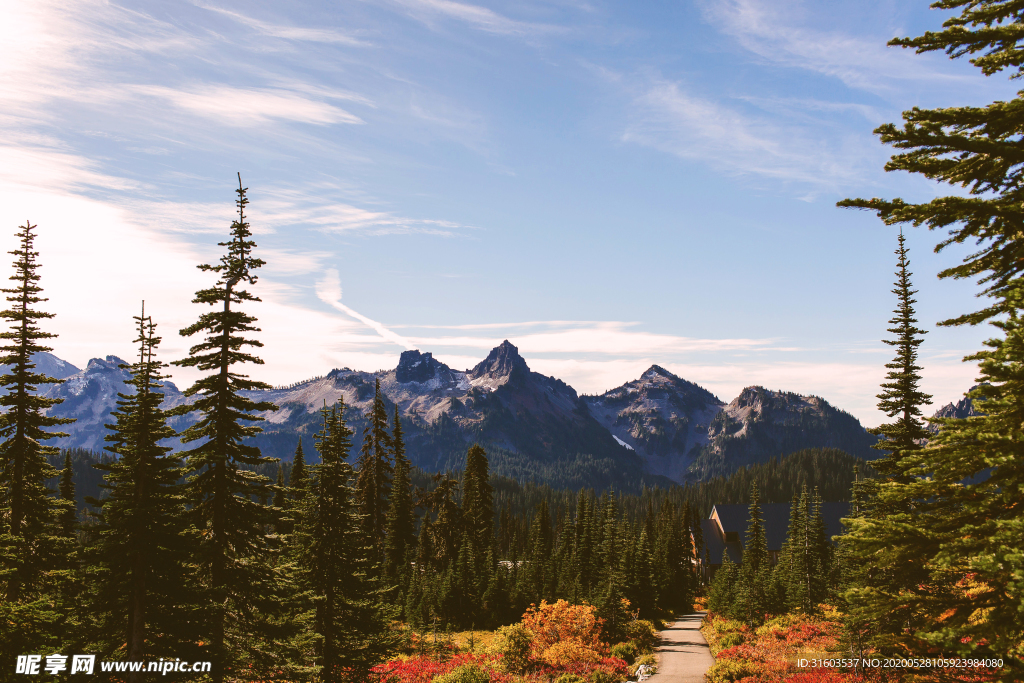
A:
25	501
401	518
478	499
224	491
964	531
375	471
756	568
142	602
350	621
901	395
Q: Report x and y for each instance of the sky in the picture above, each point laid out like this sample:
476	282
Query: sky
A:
608	185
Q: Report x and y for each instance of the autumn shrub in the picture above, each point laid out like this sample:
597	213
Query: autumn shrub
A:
423	669
732	640
627	651
729	670
515	644
467	673
602	677
564	633
570	678
643	634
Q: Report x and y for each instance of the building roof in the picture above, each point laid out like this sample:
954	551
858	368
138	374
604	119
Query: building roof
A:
715	542
736	518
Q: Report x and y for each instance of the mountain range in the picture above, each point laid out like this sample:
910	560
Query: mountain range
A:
658	428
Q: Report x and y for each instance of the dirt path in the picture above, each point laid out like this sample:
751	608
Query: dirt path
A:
683	655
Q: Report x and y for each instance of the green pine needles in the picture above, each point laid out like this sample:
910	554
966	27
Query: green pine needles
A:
28	519
142	601
901	396
351	621
947	528
223	491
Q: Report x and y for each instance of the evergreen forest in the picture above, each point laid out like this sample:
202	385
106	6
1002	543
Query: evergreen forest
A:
337	566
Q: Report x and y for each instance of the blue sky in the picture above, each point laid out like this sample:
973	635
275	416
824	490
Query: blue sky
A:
606	184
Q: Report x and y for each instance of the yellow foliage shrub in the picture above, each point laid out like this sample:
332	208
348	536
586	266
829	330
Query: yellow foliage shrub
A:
564	633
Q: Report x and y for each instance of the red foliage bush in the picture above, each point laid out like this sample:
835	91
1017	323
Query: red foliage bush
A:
423	669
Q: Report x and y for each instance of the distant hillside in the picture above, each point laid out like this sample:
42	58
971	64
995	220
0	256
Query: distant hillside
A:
654	430
662	417
830	470
759	424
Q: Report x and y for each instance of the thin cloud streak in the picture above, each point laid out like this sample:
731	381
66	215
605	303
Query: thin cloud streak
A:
316	35
863	63
669	119
249	106
478	17
328	290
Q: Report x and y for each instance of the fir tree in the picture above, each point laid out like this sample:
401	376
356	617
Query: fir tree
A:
425	554
901	396
296	493
798	563
280	501
953	526
478	499
821	579
68	513
447	530
25	502
756	568
223	491
722	597
401	518
142	599
350	619
375	470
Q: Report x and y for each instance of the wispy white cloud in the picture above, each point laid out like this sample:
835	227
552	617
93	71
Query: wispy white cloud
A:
668	118
32	166
478	17
317	35
768	29
248	106
319	209
328	290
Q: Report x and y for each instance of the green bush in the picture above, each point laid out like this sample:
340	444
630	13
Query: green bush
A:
627	651
645	659
643	633
467	673
731	640
514	646
729	671
570	678
602	677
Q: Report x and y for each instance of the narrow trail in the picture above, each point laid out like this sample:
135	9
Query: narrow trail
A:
683	655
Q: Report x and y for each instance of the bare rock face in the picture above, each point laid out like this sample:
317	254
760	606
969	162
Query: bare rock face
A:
501	363
760	424
963	408
421	368
660	416
90	395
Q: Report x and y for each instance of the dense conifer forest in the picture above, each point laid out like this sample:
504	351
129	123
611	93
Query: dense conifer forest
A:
327	567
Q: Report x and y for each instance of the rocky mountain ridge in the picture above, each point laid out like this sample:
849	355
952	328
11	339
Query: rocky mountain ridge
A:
657	428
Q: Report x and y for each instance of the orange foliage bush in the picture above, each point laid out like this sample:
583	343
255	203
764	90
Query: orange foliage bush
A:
564	633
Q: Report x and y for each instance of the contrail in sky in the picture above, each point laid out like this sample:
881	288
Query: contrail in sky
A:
329	291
